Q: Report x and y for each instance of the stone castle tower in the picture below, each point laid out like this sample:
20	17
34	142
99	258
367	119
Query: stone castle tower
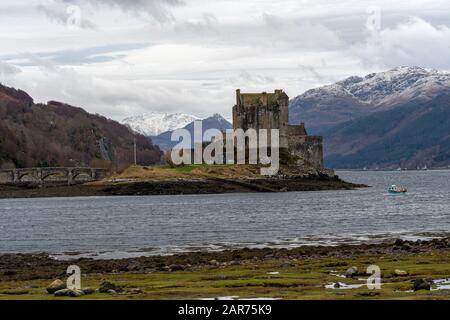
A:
262	111
271	111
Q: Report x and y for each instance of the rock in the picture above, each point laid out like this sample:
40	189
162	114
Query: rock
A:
9	273
421	284
400	273
214	262
407	247
337	285
77	293
107	286
176	267
56	286
287	264
134	266
63	293
69	293
163	268
88	291
234	263
351	272
135	291
399	242
111	291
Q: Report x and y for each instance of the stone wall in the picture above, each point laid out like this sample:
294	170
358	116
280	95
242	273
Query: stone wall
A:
307	148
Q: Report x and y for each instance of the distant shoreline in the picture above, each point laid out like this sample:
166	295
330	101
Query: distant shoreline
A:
212	185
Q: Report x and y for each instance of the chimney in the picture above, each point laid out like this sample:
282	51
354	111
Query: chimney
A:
238	97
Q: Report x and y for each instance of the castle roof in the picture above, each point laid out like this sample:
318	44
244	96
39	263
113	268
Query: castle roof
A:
260	99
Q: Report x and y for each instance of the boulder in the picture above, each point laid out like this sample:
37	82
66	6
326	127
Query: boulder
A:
69	293
88	291
421	284
107	287
351	272
214	262
134	266
400	273
56	286
163	268
135	291
176	267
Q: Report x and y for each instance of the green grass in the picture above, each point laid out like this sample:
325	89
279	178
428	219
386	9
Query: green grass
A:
303	280
189	168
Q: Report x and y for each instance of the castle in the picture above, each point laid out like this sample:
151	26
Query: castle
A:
271	111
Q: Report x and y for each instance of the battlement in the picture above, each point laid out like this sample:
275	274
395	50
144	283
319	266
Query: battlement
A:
263	99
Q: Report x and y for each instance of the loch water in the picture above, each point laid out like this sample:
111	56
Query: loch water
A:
115	227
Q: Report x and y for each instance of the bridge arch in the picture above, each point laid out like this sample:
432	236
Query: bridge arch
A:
42	174
31	174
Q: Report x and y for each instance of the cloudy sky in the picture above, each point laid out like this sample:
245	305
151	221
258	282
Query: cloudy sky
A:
122	58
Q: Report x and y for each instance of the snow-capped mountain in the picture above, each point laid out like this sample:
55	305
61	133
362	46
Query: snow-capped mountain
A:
392	119
155	123
216	121
327	106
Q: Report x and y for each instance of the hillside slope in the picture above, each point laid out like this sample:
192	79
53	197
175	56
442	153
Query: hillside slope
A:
409	136
57	134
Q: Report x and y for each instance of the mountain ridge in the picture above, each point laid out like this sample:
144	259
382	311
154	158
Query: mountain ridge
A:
216	121
327	106
154	123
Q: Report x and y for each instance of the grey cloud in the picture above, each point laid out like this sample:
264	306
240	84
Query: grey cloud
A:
7	69
79	57
267	31
58	14
415	42
156	9
193	63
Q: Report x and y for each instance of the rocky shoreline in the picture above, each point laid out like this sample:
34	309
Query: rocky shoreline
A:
409	270
179	186
43	266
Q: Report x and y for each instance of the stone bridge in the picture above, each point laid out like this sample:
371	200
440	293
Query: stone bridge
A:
40	175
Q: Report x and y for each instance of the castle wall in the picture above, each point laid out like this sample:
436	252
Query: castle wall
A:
271	111
307	148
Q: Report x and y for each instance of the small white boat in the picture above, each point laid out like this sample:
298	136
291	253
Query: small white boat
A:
397	190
